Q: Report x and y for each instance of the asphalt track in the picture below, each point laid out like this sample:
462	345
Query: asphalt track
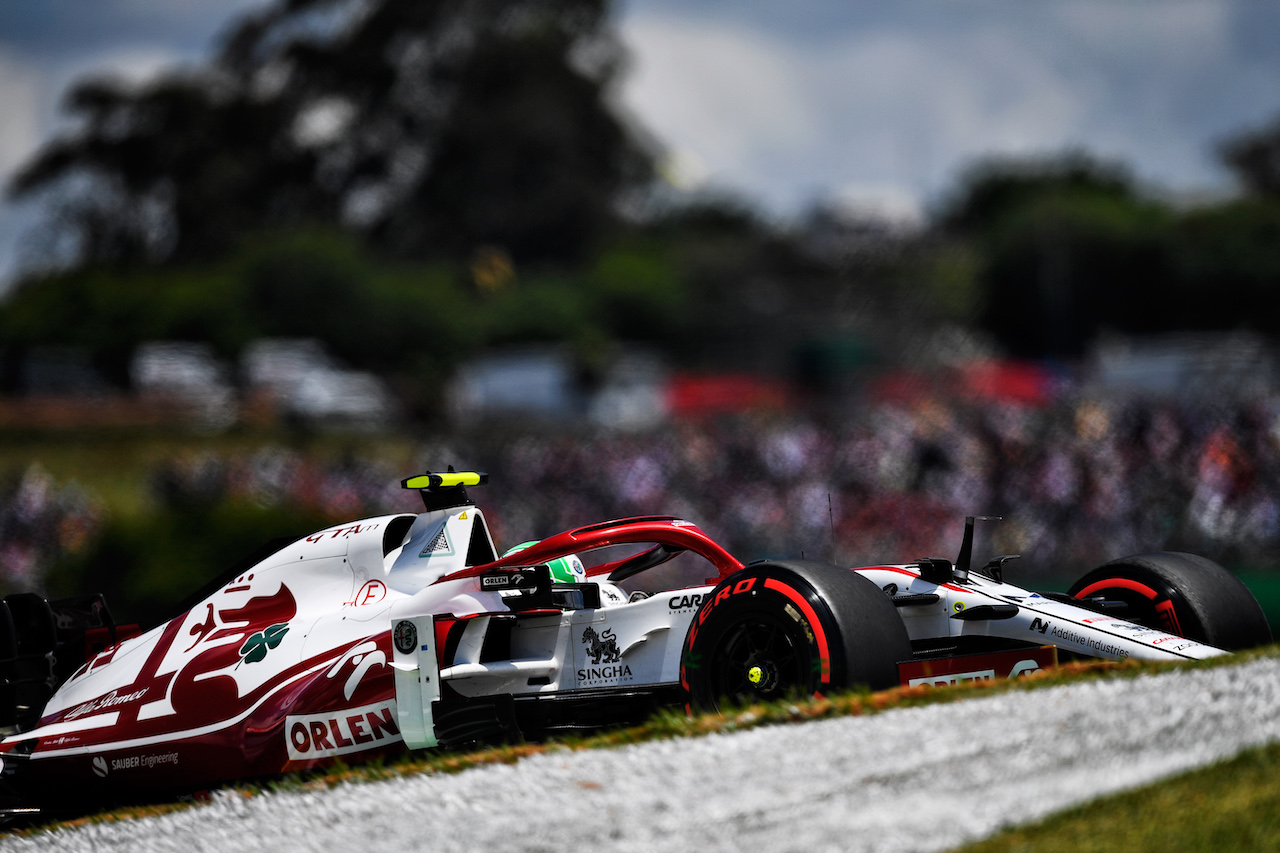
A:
911	779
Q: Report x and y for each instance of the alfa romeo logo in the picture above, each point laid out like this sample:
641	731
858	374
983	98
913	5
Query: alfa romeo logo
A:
256	647
405	636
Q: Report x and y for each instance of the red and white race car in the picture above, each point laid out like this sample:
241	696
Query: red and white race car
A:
409	631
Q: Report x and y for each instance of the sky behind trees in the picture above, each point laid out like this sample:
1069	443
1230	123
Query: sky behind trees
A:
873	105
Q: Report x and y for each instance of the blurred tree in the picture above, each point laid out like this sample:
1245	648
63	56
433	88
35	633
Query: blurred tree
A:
300	283
133	560
430	126
1254	156
995	188
1226	265
751	292
1068	248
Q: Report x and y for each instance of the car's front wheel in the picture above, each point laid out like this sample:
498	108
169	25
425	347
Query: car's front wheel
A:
1182	594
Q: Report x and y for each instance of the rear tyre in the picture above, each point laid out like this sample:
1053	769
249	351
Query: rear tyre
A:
1181	594
791	628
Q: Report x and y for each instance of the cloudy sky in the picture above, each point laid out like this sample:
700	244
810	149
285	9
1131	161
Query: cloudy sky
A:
869	103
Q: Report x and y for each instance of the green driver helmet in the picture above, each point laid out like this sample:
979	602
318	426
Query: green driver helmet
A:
566	569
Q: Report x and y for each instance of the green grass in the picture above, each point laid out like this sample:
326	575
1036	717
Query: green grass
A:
1233	805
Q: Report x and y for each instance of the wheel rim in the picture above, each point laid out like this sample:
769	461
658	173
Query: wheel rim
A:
759	658
1147	606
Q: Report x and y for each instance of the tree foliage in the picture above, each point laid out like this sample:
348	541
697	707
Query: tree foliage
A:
410	321
1254	156
1070	248
430	127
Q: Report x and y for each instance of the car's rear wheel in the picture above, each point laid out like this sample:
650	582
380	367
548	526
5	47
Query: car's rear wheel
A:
1180	594
791	628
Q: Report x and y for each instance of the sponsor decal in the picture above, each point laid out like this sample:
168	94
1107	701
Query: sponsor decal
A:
1133	628
405	636
709	603
344	532
517	579
1023	667
682	523
603	648
1096	645
953	678
372	592
890	589
140	761
1038	624
980	667
684	602
103	703
310	736
144	762
256	647
616	673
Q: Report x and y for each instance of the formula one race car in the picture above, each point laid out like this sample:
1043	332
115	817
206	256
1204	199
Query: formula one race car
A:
409	631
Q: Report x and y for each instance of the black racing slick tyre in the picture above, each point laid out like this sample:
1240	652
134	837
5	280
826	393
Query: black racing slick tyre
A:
1180	594
790	628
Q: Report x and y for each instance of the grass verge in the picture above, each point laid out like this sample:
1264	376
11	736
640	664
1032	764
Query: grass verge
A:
666	724
1232	805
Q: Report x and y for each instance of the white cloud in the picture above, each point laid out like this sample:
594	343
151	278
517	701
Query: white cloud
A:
722	92
785	116
20	130
136	64
885	202
1144	31
784	119
32	89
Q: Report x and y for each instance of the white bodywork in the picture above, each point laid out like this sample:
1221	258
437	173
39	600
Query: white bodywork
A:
1038	620
552	654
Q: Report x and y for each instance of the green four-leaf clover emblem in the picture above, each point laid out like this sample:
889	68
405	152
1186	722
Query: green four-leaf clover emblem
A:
256	647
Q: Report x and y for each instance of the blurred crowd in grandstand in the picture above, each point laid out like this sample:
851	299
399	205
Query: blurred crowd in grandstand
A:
1077	481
